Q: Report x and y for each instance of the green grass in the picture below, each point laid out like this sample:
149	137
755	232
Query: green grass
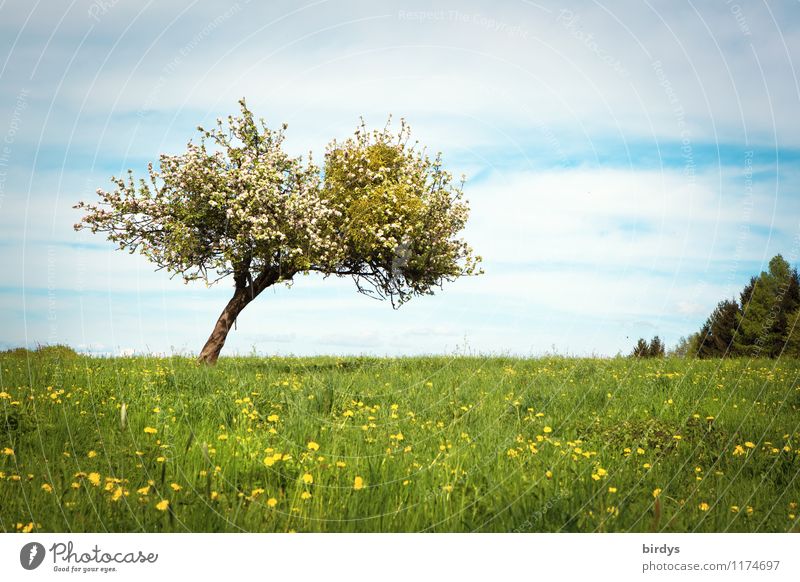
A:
440	444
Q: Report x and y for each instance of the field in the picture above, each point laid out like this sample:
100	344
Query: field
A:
417	444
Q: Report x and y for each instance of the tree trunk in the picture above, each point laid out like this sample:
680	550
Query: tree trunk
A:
241	298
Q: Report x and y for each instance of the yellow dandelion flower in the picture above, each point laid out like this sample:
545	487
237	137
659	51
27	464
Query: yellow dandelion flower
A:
548	429
222	437
214	495
273	418
143	490
312	446
8	451
612	489
28	528
91	454
162	505
750	445
118	492
341	464
703	506
548	474
738	451
657	492
94	479
150	430
305	495
734	509
175	486
358	483
47	488
308	478
272	502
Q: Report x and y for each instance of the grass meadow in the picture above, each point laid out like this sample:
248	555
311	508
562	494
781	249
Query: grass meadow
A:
435	444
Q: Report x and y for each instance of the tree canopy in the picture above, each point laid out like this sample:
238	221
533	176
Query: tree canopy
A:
236	204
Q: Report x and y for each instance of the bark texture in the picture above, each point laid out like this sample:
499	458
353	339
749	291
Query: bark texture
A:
242	296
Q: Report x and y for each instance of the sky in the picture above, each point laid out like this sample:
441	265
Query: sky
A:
628	165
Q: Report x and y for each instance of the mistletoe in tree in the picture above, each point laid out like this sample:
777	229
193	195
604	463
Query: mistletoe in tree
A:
235	204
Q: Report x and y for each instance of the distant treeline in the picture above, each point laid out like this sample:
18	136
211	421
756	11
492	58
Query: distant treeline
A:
763	323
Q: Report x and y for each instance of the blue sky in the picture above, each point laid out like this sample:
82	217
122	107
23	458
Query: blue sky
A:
628	164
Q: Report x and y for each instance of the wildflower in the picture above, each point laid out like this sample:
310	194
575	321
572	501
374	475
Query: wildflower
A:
738	451
308	478
548	474
272	502
150	430
347	413
358	483
214	495
175	487
91	454
143	490
547	429
47	488
734	509
341	464
656	492
8	451
94	479
312	446
612	489
118	492
28	528
750	445
305	495
273	418
222	437
162	505
703	506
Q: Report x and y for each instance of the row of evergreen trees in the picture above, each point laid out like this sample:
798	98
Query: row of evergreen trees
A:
765	322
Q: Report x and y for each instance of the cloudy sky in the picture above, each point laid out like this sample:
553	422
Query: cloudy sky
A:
628	164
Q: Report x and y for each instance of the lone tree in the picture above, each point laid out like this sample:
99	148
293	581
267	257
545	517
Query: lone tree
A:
235	204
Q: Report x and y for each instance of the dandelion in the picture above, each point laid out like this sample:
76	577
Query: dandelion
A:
143	490
175	487
308	478
118	492
358	483
341	464
8	451
738	451
548	430
703	506
750	445
273	418
94	479
312	446
150	430
162	505
272	502
47	488
656	492
734	509
305	495
612	489
222	437
91	454
548	474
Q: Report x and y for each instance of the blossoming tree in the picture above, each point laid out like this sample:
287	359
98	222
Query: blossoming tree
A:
235	204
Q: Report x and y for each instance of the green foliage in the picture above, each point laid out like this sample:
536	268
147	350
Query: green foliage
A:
766	305
654	349
441	444
717	336
236	204
761	325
